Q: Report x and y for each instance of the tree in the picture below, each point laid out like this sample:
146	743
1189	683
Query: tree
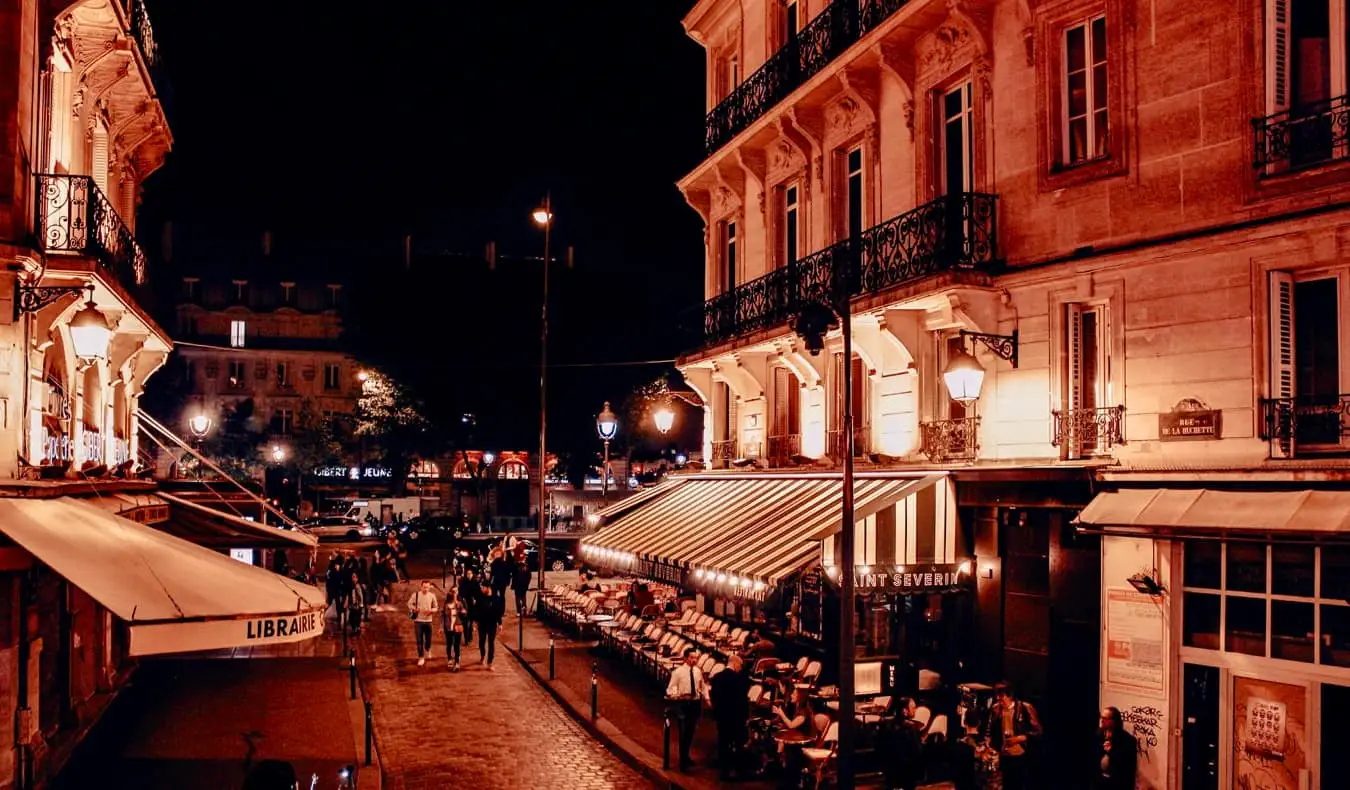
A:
637	432
236	445
316	440
390	417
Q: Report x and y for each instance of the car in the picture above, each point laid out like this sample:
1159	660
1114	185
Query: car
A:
338	528
558	558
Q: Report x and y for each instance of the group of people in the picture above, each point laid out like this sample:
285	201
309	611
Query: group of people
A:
354	586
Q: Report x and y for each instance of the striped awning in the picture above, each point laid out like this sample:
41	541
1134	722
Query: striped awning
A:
754	527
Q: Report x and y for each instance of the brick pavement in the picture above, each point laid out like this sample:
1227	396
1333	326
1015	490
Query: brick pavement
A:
474	728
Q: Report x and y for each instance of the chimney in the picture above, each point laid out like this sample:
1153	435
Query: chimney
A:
166	243
267	243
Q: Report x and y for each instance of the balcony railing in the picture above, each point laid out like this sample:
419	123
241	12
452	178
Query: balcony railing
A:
954	232
1082	432
951	440
783	448
823	39
144	33
834	442
75	217
1309	135
724	451
1308	425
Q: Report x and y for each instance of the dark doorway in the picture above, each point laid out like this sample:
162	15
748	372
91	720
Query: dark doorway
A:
1200	728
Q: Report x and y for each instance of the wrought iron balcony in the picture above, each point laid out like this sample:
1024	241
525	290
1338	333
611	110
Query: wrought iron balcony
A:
144	33
1307	425
951	440
834	442
954	232
1083	432
823	39
783	448
724	451
74	217
1312	134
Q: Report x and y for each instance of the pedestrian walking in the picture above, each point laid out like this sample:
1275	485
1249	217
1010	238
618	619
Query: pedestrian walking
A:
491	609
499	573
1012	729
454	615
356	603
521	585
422	606
729	691
685	693
1117	754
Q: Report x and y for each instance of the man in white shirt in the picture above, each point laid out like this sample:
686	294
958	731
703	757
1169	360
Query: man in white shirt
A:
686	692
423	606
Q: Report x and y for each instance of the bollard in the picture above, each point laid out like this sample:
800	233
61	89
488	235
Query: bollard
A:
351	673
445	567
595	690
665	742
343	626
520	632
550	656
370	732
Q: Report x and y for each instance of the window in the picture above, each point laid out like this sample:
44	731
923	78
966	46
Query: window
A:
334	293
786	418
1276	600
790	233
728	256
332	376
1087	380
283	375
236	374
240	291
237	331
288	293
958	140
283	421
860	398
1085	95
854	210
513	470
1307	371
790	22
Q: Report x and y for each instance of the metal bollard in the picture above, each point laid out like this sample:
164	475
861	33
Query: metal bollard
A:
520	633
351	673
550	656
445	570
665	742
595	690
370	732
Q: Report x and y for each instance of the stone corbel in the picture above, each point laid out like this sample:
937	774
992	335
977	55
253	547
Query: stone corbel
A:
864	83
754	164
900	329
897	60
124	347
700	200
739	377
868	343
700	379
798	141
144	365
790	353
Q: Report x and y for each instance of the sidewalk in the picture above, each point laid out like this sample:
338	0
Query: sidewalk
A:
474	728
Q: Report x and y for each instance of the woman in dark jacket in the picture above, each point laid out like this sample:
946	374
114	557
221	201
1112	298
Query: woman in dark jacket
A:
488	616
1117	754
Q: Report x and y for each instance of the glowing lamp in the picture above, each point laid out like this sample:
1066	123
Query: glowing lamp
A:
721	577
488	458
964	377
200	425
541	216
363	376
607	424
698	574
664	419
864	570
965	567
278	454
90	333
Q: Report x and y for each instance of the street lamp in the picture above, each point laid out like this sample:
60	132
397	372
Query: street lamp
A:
664	419
200	426
90	333
606	425
278	454
964	375
363	377
543	217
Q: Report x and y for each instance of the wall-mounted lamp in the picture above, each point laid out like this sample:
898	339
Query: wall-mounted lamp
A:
1147	583
964	375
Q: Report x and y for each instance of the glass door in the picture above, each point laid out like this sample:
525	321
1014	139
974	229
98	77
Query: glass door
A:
1200	727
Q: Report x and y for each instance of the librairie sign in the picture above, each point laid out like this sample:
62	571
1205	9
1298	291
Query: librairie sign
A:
921	578
1190	421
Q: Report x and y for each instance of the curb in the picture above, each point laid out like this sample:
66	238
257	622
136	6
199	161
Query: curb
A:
638	758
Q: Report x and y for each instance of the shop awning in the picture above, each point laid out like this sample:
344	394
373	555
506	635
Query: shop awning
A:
760	527
176	596
1146	512
200	524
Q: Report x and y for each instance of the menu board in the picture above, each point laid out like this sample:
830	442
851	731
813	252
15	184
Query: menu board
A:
809	602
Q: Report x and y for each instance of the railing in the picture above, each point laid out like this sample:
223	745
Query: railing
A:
1307	425
144	33
724	451
954	232
951	440
1304	136
834	442
823	39
783	448
75	217
1083	432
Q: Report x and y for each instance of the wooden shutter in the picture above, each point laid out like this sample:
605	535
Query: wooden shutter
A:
99	157
733	424
1073	370
1278	64
780	402
1282	362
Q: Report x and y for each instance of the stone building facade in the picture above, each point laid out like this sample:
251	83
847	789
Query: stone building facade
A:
1148	203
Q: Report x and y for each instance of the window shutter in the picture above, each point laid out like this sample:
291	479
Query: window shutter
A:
1277	56
733	417
99	157
1281	415
1071	442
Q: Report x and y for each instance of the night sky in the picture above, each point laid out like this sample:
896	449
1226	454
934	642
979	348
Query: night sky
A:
343	126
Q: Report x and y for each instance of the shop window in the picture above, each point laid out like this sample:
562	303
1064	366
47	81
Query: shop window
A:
1268	600
1335	710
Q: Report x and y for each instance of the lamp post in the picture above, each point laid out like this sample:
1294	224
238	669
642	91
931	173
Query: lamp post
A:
543	217
200	426
606	425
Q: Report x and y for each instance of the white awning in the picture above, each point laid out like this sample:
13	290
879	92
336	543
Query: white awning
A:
200	524
1199	512
176	596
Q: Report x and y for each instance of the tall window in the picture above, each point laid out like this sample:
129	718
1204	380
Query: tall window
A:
790	22
958	140
1306	71
728	256
859	403
237	329
283	421
283	374
332	376
1307	371
791	225
854	179
235	377
1088	374
1085	96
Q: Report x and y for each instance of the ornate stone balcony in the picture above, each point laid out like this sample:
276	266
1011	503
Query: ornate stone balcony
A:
954	232
75	218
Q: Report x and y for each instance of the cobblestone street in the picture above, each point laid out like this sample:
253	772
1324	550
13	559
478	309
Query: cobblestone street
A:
475	728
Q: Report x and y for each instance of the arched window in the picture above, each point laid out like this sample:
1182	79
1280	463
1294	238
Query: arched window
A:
513	470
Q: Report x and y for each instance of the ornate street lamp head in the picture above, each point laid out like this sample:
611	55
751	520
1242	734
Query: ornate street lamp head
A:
278	453
200	425
542	216
964	377
664	419
607	424
91	333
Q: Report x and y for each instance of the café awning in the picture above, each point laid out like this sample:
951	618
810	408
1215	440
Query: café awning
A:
174	595
200	524
755	527
1200	512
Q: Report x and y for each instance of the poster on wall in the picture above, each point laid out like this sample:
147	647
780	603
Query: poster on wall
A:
1135	659
1270	738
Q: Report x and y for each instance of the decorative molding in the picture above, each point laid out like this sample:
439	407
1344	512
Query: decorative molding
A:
909	115
842	114
980	71
1029	41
